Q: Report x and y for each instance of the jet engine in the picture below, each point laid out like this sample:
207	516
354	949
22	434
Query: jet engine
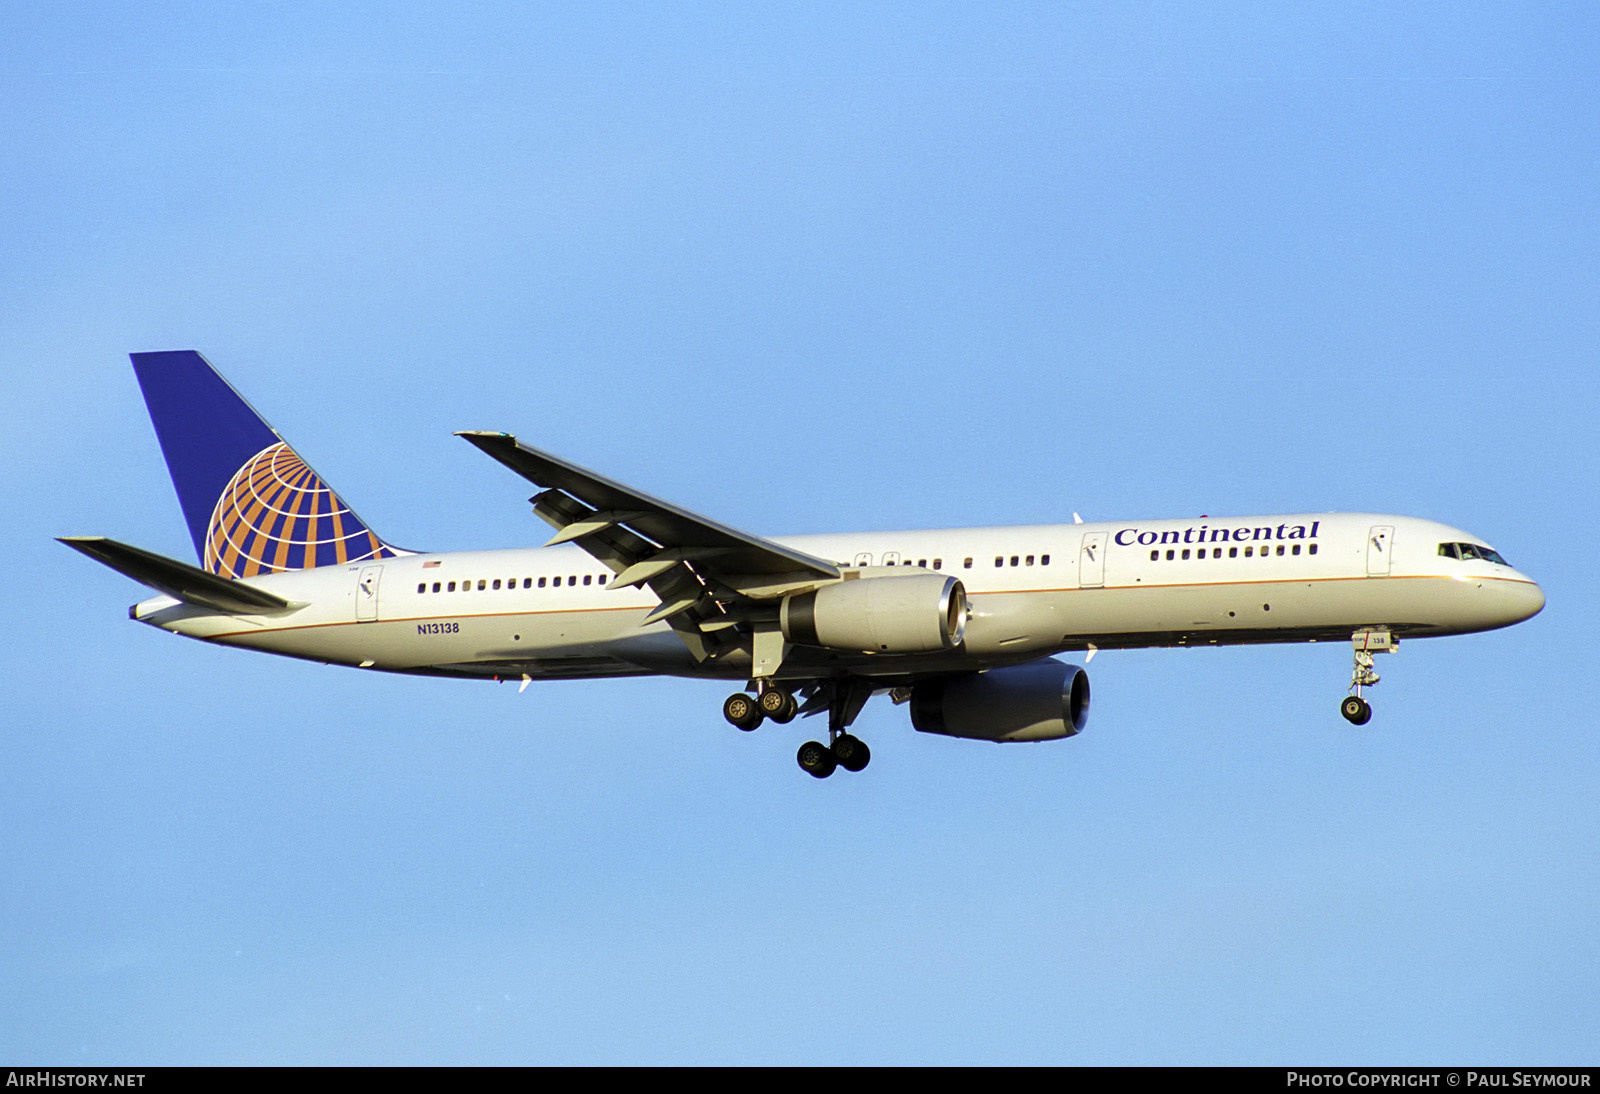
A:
1040	701
917	613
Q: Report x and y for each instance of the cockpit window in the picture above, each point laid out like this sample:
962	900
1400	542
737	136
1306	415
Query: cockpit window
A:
1472	551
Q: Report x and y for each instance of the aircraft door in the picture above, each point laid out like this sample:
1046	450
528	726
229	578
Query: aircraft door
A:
1380	543
1092	561
367	594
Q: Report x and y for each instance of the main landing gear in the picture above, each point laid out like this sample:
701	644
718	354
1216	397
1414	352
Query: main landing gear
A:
843	700
819	760
1356	710
774	702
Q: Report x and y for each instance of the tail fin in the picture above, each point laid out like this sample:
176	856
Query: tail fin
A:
252	504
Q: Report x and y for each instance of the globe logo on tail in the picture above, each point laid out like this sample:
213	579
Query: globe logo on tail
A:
276	514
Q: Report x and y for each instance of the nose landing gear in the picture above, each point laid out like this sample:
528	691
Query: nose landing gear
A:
1356	710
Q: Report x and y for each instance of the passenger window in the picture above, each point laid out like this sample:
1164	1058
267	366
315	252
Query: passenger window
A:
452	586
586	578
1155	556
541	583
1233	552
1029	560
922	563
1312	549
497	583
1013	560
1248	551
1169	554
1295	549
1186	554
422	588
435	586
480	584
999	561
1044	560
966	564
1280	550
938	564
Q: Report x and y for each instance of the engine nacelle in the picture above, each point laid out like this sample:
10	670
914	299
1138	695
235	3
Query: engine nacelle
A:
1039	701
917	613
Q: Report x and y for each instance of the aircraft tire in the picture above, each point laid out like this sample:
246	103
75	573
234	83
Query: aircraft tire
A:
1356	710
742	711
852	753
785	712
816	760
773	701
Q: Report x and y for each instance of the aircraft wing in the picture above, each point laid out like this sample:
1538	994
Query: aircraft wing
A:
707	575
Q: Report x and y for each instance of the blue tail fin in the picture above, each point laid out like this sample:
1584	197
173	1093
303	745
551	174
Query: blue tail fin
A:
252	504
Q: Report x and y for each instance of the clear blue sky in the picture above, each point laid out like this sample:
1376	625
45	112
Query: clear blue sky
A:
804	269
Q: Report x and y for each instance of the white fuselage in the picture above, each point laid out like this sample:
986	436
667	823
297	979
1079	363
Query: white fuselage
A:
1033	591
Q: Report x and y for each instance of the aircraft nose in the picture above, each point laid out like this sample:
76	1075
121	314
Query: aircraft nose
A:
1522	599
1533	600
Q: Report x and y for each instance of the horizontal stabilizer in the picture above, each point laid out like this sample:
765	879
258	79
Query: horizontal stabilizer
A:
187	583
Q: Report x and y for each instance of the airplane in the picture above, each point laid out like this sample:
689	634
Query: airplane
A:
963	624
